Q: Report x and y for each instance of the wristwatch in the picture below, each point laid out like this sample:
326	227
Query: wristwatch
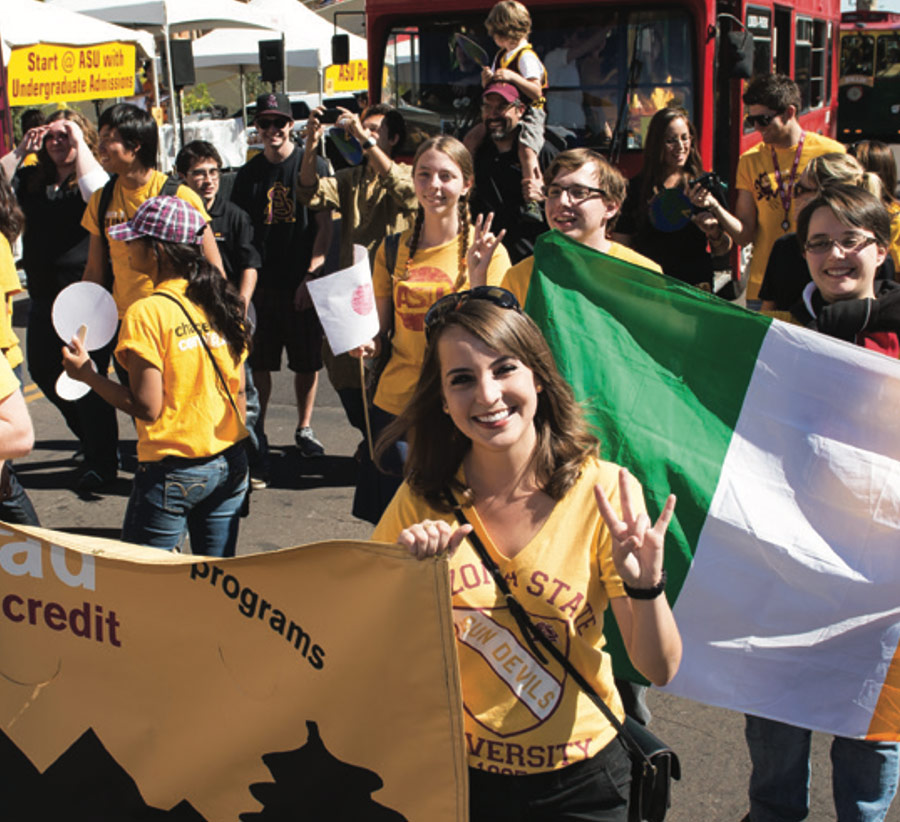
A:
369	142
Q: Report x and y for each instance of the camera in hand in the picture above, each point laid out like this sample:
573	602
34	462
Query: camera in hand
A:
329	116
714	185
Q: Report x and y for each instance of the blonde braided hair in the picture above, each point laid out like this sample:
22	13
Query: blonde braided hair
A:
460	156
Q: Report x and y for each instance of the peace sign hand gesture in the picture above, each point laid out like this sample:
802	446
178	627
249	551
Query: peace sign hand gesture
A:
482	250
637	547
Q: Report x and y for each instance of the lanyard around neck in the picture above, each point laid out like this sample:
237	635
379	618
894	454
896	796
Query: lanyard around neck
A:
786	193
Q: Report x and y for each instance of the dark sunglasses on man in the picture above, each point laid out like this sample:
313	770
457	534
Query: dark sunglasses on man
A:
760	120
265	123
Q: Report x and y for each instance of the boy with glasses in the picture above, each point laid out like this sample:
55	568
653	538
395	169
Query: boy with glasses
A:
200	166
292	245
765	208
584	194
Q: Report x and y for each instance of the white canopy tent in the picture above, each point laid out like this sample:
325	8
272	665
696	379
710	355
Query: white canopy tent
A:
28	22
307	47
174	15
167	16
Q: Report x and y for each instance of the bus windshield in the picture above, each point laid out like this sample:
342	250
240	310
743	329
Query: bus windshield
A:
603	68
857	55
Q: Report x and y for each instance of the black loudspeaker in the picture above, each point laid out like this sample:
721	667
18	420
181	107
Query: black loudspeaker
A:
739	54
182	63
340	49
271	60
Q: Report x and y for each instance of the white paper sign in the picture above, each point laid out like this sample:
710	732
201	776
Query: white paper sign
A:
345	303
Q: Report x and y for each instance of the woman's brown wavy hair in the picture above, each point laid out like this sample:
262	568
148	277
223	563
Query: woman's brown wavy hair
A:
437	447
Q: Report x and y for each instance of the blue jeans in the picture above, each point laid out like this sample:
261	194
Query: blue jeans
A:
203	495
864	774
17	508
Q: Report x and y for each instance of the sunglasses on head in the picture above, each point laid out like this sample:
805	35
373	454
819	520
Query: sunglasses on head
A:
451	302
759	120
264	123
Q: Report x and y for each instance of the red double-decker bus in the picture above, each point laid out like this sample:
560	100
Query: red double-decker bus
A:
611	65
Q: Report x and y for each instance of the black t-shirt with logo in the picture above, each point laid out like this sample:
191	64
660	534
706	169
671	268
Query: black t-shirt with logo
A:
283	230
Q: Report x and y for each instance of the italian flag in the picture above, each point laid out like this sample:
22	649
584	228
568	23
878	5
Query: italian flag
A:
783	447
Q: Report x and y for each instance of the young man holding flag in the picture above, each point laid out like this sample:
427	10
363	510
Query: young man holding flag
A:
584	195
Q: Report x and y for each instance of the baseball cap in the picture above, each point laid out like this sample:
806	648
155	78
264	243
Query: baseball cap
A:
273	103
506	90
165	218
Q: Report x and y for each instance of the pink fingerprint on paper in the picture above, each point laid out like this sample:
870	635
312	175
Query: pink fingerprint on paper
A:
363	299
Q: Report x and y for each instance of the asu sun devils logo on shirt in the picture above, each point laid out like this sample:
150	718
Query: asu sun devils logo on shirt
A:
280	205
424	286
527	691
762	185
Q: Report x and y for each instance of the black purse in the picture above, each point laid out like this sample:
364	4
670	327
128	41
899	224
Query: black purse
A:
653	763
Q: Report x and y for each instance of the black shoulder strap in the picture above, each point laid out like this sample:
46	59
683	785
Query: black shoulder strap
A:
391	247
170	186
106	196
212	359
532	634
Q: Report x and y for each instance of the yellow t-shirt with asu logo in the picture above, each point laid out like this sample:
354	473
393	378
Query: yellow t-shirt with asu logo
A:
756	174
197	419
522	716
432	275
131	280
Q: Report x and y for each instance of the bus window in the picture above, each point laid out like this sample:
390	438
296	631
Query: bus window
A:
759	24
887	59
817	72
857	55
595	60
803	60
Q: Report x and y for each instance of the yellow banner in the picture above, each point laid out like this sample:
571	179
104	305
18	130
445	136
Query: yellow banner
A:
354	76
48	74
317	682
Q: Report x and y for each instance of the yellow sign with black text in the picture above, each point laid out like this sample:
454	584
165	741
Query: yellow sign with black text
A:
317	682
44	73
352	76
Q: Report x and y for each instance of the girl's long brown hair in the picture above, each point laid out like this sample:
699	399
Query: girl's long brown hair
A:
12	220
654	174
436	446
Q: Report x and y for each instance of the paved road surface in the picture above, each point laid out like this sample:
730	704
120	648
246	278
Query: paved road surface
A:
310	501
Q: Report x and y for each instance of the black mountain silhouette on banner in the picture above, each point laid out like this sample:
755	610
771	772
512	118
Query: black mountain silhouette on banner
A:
311	785
84	785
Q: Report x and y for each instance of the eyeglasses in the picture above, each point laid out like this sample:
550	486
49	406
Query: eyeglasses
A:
451	302
849	243
759	120
264	123
576	193
204	173
800	189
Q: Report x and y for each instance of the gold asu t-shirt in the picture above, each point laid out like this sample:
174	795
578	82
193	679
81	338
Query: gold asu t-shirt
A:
433	275
131	281
522	716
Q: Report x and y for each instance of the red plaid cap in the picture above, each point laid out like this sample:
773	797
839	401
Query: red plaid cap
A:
165	218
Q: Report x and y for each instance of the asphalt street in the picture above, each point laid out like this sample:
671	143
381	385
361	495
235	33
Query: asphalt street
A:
310	499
